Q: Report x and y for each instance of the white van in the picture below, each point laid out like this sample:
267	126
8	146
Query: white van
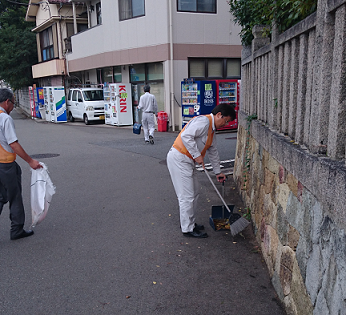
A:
86	104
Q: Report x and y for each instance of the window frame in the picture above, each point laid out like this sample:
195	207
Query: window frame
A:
98	8
131	9
48	48
197	11
206	74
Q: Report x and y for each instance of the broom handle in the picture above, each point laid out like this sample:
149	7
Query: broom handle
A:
205	171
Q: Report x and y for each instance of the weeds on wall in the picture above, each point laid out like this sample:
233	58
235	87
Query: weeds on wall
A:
246	170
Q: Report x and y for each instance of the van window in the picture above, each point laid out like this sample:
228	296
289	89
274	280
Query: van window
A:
93	95
69	94
74	96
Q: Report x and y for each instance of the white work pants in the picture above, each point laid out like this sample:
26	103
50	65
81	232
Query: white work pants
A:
186	185
148	124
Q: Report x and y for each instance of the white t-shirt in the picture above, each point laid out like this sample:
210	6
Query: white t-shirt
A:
7	131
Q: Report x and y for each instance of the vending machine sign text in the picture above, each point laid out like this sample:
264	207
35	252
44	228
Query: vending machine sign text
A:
123	98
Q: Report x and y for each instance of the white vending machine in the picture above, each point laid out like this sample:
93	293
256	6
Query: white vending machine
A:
55	104
118	104
46	103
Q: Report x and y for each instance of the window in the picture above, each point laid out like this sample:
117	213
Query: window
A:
233	68
76	96
117	76
129	9
155	71
98	13
197	68
137	73
46	39
93	95
200	6
216	68
109	74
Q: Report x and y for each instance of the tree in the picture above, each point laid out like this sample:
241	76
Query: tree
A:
284	13
17	44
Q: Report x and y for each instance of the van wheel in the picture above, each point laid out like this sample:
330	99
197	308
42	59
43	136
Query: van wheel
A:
86	120
70	117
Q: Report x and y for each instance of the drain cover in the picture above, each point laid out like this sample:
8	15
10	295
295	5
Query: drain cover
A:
44	155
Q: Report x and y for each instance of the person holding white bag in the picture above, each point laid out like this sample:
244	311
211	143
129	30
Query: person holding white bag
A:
10	171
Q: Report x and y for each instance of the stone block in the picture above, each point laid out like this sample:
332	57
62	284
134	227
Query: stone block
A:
282	225
314	272
282	196
273	165
269	211
286	268
268	180
299	295
292	183
292	237
270	243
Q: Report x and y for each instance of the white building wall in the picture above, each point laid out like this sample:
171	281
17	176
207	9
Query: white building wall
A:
115	35
205	28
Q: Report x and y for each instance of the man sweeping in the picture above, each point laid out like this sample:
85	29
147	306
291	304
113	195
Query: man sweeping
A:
189	148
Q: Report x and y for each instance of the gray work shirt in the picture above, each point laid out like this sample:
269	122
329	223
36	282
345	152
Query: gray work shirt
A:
7	131
195	136
148	103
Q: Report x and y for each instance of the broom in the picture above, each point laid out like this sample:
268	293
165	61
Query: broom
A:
238	225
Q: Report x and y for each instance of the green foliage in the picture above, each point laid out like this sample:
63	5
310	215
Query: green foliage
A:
17	45
286	13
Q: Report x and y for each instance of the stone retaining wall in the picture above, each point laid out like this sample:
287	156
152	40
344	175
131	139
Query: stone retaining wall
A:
302	237
290	162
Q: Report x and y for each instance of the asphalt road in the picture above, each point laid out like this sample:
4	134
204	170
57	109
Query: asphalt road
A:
111	242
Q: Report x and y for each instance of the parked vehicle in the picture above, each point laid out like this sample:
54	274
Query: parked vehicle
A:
86	104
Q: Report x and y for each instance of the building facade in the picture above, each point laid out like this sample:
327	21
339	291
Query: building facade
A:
136	41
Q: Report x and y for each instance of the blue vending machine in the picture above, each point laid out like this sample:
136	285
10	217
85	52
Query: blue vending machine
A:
197	98
39	101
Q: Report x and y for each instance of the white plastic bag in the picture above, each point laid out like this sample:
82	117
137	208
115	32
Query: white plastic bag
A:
42	190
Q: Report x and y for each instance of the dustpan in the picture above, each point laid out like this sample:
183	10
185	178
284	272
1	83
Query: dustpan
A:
225	220
220	218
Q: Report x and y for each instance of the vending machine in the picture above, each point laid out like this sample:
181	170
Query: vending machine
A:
228	92
39	102
118	104
46	103
55	104
197	98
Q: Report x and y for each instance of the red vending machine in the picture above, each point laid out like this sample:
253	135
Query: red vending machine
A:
228	91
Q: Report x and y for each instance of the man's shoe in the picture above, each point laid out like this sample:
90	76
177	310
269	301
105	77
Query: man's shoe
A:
199	226
22	235
196	233
151	139
146	141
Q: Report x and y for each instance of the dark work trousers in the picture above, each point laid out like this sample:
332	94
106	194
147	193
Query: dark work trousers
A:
11	191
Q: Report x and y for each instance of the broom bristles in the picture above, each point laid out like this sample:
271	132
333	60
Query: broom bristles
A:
239	226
